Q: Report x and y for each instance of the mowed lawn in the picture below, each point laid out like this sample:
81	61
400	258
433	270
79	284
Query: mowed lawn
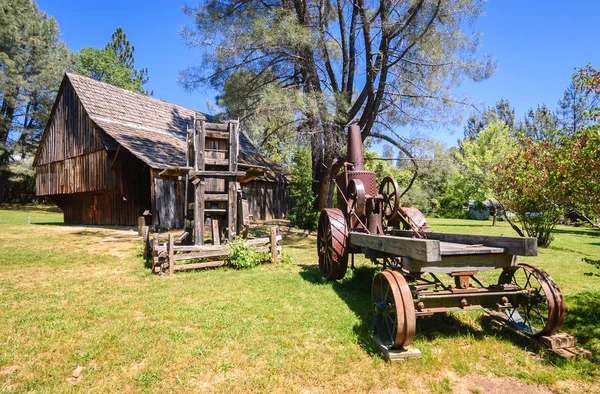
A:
77	296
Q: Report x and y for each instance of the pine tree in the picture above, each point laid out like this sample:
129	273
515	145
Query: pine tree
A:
32	62
114	64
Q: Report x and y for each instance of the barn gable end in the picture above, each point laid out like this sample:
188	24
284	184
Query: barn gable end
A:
104	146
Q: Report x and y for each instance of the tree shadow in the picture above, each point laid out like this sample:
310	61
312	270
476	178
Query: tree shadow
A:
355	291
582	320
590	232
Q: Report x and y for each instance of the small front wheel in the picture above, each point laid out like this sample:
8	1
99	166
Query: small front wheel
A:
541	310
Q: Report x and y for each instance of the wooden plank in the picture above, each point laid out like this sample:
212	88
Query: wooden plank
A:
174	171
200	141
215	197
216	161
559	341
396	355
216	239
171	251
154	251
223	135
452	249
215	210
518	246
183	236
200	248
192	266
580	352
232	209
460	263
234	142
195	174
217	127
199	213
146	240
201	255
419	249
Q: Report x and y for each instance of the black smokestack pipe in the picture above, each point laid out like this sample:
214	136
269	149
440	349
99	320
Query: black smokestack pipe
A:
355	149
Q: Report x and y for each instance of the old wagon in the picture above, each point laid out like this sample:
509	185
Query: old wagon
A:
427	272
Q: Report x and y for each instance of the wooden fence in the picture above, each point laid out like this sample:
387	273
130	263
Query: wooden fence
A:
170	255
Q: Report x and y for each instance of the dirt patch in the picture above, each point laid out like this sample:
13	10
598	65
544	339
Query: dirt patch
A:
473	383
8	369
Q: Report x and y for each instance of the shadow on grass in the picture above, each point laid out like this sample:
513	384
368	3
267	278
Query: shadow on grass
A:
355	291
582	320
575	231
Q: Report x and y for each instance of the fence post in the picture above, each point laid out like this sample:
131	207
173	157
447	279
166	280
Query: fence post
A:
171	255
274	256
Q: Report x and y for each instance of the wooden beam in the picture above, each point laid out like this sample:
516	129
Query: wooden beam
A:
420	249
274	254
234	144
518	246
460	263
112	162
195	174
199	213
171	250
208	264
216	240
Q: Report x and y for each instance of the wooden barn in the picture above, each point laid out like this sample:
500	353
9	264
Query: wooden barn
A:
103	148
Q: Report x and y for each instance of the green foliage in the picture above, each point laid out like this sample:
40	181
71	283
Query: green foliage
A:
114	64
539	124
302	213
266	110
475	156
501	113
241	256
32	62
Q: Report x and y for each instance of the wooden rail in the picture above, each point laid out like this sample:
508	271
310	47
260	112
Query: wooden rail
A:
166	256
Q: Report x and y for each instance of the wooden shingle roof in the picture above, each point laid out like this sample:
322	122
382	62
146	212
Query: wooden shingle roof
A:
152	130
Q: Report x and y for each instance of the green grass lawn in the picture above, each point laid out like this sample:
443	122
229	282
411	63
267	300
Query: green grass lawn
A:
73	296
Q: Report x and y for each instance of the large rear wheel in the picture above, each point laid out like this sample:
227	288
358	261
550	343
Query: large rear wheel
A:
332	246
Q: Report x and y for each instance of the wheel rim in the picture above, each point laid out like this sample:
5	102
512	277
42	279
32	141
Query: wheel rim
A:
391	198
393	312
331	244
542	310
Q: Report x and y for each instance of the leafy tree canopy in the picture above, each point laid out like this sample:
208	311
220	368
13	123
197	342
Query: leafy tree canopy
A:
373	62
114	64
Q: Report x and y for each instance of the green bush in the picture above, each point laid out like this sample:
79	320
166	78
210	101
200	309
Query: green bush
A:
241	256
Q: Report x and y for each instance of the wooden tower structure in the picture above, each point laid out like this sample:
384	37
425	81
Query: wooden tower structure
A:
211	176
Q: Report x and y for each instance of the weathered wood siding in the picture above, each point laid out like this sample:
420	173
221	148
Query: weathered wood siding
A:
267	200
78	174
168	201
97	209
71	132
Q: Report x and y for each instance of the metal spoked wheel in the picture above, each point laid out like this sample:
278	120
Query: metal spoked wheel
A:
357	200
332	244
391	197
542	311
393	309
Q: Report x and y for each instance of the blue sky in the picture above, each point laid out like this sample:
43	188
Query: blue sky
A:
536	43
